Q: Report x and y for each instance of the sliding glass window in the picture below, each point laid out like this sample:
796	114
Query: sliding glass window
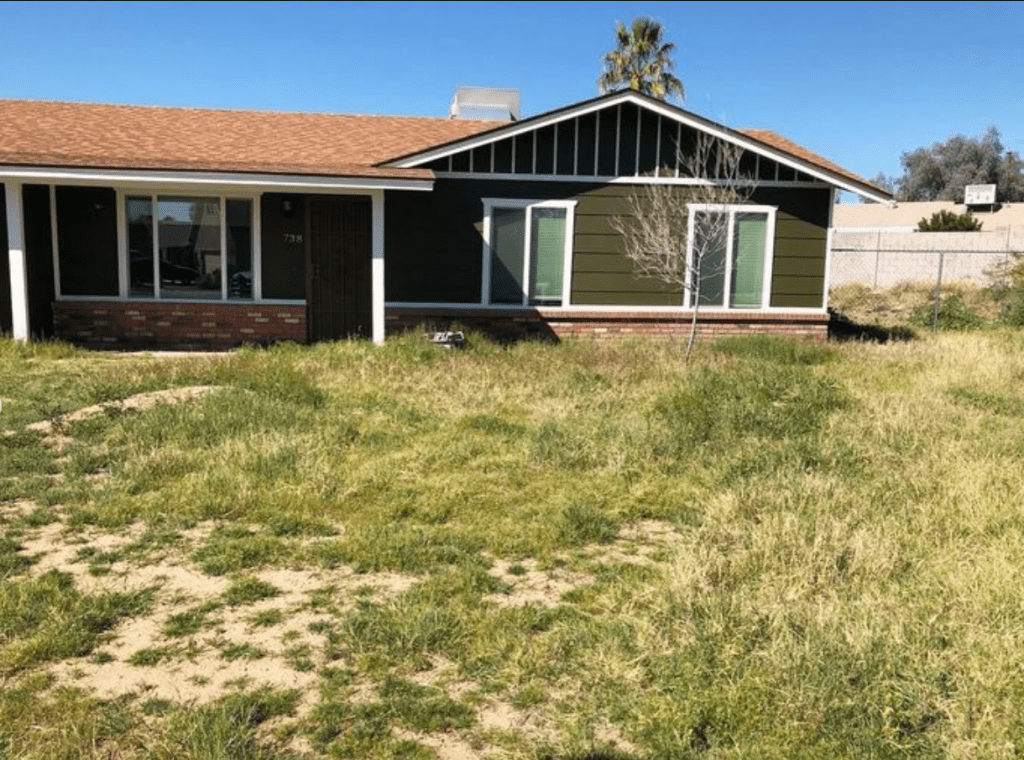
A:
527	249
730	256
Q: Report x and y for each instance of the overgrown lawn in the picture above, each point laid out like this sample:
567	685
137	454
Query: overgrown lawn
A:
782	550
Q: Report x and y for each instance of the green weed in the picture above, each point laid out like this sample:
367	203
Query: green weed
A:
45	618
249	590
231	549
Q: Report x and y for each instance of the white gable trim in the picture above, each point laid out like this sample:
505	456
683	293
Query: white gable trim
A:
684	118
599	179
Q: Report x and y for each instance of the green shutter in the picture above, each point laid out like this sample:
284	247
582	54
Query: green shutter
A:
749	237
547	256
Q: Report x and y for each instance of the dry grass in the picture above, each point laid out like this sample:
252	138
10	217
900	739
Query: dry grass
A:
895	306
575	551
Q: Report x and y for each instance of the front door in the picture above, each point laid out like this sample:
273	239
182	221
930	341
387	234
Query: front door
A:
338	281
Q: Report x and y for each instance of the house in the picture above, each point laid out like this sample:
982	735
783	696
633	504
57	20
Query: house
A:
174	227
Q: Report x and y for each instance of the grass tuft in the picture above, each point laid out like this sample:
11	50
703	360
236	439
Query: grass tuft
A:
248	590
44	619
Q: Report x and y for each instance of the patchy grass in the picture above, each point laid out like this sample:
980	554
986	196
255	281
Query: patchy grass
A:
912	304
782	550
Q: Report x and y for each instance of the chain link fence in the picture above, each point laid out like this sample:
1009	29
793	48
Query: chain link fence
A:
874	270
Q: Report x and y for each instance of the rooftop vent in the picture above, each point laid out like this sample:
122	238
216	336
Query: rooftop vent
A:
488	103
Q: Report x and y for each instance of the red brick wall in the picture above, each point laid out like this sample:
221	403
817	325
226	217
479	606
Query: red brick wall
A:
600	324
191	326
214	326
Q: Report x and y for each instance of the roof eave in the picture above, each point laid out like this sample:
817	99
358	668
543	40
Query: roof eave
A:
72	174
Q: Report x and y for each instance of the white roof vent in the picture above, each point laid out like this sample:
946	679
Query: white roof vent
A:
488	103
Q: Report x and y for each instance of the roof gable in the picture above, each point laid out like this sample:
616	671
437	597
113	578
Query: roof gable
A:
40	133
638	139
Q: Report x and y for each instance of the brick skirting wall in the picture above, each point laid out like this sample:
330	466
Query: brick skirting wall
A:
548	324
218	326
185	326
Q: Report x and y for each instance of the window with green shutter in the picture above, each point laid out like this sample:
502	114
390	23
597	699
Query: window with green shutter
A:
527	250
732	255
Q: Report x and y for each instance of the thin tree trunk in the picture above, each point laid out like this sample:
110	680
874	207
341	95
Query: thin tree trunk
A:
693	321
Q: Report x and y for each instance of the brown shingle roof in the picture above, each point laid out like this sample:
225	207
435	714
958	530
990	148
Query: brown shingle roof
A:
779	142
41	133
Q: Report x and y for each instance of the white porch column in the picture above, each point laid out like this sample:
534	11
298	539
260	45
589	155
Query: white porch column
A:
16	256
377	267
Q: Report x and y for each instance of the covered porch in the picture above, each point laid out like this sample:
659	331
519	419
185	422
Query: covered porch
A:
116	259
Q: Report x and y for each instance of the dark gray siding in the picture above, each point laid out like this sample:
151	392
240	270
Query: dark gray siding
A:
433	244
6	317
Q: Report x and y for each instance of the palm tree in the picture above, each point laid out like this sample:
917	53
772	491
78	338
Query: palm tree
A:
641	61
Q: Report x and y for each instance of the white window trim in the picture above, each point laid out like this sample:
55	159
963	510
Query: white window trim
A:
769	253
124	286
570	216
222	198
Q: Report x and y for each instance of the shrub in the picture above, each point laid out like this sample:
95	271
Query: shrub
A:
947	221
954	314
1009	293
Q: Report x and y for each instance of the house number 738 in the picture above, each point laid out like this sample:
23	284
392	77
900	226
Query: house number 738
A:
291	237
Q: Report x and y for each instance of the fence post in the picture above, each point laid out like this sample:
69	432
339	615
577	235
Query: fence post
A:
938	293
878	255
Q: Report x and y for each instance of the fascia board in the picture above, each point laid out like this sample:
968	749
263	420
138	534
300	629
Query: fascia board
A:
49	174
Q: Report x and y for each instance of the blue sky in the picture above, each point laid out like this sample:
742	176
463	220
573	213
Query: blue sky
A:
858	82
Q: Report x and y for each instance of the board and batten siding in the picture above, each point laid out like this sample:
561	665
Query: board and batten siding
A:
434	243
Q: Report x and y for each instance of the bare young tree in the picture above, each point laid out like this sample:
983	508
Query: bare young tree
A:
677	234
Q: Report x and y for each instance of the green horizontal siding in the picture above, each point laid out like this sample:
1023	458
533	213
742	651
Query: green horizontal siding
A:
594	225
805	248
602	262
801	240
787	226
785	266
607	282
796	301
434	243
625	298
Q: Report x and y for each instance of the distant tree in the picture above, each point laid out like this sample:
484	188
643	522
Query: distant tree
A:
941	172
881	180
948	221
641	61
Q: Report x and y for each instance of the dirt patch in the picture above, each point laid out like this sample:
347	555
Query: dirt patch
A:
528	584
447	746
16	509
280	642
637	543
52	430
285	641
